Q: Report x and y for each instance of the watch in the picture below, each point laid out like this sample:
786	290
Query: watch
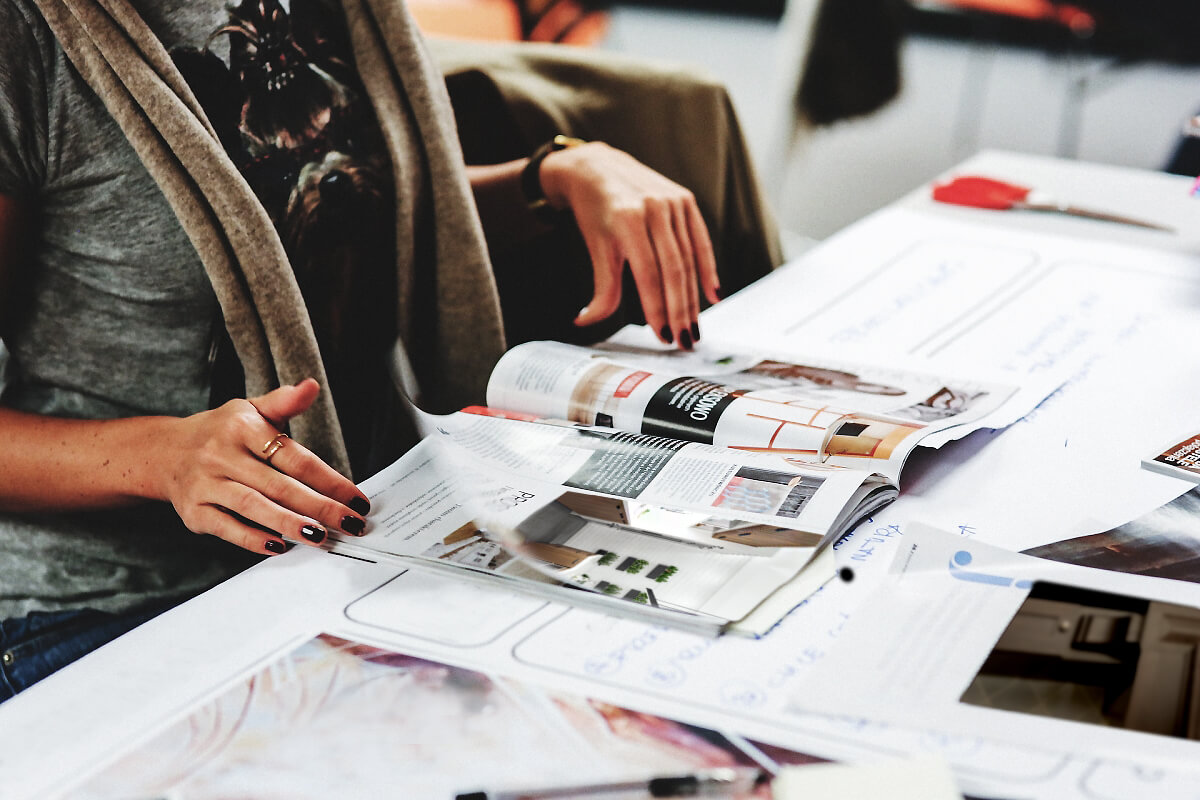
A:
531	179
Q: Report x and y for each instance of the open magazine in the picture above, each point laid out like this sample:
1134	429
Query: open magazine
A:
697	489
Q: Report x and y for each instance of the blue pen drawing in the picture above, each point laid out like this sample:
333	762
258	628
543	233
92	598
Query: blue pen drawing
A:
611	662
671	673
742	694
867	542
963	559
795	666
666	676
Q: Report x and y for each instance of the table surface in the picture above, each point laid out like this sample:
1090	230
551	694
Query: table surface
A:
90	712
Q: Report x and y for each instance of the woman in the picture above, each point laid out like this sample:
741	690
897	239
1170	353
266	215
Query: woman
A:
119	440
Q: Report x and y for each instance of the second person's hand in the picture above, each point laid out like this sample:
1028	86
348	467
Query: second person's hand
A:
630	214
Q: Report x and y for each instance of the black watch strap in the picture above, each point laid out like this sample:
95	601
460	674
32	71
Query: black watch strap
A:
531	180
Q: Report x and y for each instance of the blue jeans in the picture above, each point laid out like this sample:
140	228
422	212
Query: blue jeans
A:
41	643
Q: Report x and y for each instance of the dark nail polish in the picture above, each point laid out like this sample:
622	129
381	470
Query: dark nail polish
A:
353	525
666	334
719	293
360	505
695	332
313	533
275	546
685	340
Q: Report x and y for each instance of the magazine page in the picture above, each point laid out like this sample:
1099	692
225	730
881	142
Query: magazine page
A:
656	522
654	472
865	418
1179	458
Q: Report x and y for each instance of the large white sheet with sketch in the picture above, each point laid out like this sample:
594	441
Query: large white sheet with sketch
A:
745	689
1108	324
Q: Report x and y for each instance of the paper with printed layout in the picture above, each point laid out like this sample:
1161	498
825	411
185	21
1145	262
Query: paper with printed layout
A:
1180	458
1035	652
1088	329
801	411
676	531
692	486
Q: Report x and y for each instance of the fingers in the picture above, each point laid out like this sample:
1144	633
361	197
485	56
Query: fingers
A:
705	257
658	272
261	519
666	259
239	478
677	277
259	507
293	459
298	480
687	251
630	214
297	461
647	275
221	523
607	267
280	405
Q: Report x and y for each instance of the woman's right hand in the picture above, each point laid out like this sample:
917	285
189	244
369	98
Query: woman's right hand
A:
218	476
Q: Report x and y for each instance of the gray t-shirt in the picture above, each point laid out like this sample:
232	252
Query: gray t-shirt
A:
115	318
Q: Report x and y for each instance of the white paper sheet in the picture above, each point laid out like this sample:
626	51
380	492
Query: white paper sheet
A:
931	625
731	684
1101	325
126	692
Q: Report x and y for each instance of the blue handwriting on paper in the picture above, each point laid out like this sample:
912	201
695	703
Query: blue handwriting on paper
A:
794	666
951	744
611	662
836	629
672	672
743	695
866	548
916	291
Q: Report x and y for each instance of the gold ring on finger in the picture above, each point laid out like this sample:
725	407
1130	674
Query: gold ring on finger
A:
274	446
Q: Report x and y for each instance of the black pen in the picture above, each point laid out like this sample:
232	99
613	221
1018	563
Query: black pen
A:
720	782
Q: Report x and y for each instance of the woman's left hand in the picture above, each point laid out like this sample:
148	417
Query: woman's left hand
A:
630	214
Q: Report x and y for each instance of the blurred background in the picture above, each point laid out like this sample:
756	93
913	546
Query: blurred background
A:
849	104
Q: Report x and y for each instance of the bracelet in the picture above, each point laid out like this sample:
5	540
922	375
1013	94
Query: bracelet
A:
531	179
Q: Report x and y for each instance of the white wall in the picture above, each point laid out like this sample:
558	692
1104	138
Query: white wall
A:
957	98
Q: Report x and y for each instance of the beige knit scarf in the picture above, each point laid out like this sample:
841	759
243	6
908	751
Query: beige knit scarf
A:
127	66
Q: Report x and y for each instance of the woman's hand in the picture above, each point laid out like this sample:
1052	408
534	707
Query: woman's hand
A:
219	469
230	473
630	214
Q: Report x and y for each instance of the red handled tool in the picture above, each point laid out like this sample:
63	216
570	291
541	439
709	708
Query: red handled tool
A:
977	191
